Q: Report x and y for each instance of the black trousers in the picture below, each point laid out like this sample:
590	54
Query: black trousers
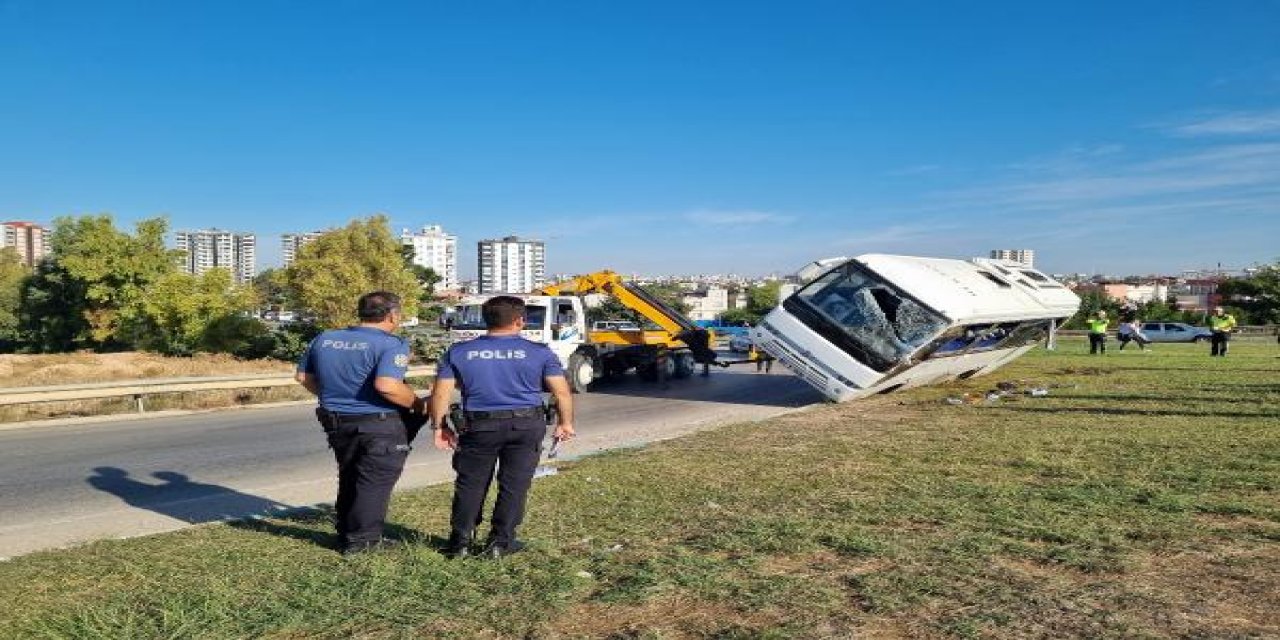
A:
1097	343
514	446
371	454
1218	343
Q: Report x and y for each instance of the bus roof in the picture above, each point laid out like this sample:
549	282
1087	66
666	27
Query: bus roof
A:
978	289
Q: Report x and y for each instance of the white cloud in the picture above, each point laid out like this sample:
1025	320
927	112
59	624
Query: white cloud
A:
742	218
1232	123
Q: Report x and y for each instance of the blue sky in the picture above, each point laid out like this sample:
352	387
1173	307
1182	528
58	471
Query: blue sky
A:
664	137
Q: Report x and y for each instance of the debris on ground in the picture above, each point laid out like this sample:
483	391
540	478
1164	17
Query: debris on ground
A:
544	470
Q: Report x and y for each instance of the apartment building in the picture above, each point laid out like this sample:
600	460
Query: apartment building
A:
436	250
29	239
511	265
215	248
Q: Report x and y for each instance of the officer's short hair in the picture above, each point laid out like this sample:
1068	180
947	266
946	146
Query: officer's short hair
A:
377	305
501	311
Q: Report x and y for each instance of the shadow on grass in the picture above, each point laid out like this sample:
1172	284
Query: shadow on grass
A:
315	525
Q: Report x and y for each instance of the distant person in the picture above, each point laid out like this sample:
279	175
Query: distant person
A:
764	363
1098	333
1221	324
368	413
1131	331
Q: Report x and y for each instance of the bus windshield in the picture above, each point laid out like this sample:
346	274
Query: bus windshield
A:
865	316
469	318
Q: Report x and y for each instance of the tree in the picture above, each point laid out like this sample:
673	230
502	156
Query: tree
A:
1257	296
13	275
763	298
330	273
271	289
111	268
182	314
737	317
51	317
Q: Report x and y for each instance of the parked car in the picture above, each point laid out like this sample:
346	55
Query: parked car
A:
1174	332
740	344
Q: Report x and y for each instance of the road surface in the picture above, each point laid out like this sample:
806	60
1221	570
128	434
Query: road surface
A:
64	485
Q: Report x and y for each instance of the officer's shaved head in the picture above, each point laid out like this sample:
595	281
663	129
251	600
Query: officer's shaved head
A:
501	312
376	306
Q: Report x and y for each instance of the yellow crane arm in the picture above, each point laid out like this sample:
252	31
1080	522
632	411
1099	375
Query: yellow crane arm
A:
631	296
642	302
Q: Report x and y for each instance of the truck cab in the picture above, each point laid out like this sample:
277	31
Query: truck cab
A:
556	321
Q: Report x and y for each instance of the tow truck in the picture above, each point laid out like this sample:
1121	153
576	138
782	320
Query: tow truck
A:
555	315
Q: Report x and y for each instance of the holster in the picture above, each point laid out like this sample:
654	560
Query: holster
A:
457	420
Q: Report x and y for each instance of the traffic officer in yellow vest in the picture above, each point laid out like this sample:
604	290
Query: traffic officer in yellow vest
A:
1098	332
1220	323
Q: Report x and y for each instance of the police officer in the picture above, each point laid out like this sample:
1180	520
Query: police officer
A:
1220	323
368	413
1098	333
501	377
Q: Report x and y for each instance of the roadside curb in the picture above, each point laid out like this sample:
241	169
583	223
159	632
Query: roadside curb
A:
166	413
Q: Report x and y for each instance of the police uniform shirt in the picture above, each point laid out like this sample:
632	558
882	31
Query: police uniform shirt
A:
344	363
499	372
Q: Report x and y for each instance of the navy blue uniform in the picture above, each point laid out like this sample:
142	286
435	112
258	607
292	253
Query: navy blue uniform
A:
501	380
368	434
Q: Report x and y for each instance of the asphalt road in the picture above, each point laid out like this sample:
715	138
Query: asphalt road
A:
64	485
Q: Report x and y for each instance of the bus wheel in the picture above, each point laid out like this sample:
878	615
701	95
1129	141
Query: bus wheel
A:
685	365
581	373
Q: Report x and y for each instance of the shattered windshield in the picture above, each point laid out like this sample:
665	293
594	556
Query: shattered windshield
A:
470	318
880	325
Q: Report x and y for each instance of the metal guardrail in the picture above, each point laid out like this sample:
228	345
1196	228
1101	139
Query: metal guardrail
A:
141	388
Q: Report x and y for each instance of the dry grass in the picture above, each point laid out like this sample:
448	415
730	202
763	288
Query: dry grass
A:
72	368
190	400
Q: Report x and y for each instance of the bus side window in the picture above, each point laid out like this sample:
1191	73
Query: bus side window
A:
1027	333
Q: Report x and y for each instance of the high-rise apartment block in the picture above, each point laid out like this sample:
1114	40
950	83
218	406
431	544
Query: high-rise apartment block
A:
511	265
29	239
291	243
213	248
1025	257
436	250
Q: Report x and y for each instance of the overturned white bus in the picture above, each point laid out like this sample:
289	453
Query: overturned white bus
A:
879	323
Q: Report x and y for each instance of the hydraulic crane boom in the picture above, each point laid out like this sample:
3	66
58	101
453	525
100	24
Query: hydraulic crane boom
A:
637	299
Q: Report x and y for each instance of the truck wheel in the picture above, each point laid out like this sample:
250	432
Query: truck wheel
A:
685	365
647	372
581	373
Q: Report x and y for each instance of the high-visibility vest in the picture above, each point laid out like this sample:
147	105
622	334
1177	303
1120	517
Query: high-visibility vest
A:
1097	326
1225	322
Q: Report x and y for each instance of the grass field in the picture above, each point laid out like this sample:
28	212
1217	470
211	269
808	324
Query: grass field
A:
1139	499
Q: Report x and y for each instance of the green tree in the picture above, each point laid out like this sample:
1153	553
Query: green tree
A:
761	299
13	276
1257	296
182	314
51	315
272	289
111	268
736	317
330	273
